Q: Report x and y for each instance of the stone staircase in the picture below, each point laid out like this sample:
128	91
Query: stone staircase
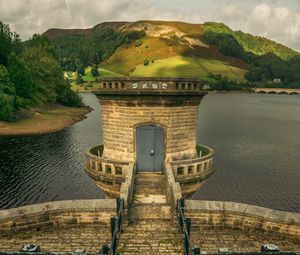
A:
150	228
149	199
150	237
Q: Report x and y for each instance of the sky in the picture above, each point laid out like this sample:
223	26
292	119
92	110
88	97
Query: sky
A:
278	20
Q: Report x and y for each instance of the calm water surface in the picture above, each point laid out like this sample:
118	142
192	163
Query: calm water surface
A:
256	138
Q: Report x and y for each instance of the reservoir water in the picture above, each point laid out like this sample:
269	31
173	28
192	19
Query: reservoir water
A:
257	161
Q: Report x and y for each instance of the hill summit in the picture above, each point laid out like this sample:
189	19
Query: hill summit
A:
173	48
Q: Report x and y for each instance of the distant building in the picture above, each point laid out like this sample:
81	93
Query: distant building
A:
277	80
206	87
66	76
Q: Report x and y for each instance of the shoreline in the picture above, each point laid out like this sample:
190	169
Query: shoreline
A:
45	121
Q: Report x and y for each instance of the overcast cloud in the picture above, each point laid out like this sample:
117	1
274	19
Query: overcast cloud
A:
276	19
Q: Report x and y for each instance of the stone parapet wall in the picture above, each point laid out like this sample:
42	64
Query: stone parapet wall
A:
119	129
108	173
193	167
59	213
189	173
243	216
173	188
150	83
106	166
127	187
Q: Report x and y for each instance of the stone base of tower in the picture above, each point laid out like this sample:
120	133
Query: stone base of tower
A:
109	173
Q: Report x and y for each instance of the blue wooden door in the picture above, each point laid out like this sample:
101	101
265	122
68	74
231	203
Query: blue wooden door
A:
150	148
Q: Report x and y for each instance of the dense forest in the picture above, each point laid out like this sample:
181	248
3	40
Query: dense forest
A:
30	74
267	60
76	51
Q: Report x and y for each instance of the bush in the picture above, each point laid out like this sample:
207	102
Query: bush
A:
146	62
80	70
6	106
138	43
79	79
95	71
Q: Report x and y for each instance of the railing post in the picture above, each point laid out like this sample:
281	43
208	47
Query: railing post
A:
186	245
116	225
105	249
118	204
120	219
182	205
188	226
112	226
187	234
114	246
180	224
196	250
180	219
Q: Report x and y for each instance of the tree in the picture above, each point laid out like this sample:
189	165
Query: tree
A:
66	96
19	74
30	74
146	62
47	75
138	43
79	79
95	71
7	95
79	67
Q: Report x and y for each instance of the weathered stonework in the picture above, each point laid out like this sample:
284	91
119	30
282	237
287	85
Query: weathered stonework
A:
119	125
59	213
64	226
243	216
172	104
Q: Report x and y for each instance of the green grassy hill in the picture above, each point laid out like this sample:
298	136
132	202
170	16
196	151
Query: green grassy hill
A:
166	48
188	66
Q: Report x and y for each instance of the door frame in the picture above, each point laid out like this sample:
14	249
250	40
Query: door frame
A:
147	123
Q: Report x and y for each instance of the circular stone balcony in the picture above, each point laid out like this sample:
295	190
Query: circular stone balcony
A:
192	172
109	174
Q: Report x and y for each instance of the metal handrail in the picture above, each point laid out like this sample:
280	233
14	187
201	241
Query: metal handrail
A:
116	226
184	228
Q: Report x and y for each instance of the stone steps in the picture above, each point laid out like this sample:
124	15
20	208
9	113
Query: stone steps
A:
149	184
150	237
150	211
149	199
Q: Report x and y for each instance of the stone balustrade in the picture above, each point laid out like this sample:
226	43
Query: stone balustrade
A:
126	191
243	216
109	174
190	173
173	189
58	213
150	83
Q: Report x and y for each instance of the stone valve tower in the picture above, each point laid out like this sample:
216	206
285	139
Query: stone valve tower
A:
149	123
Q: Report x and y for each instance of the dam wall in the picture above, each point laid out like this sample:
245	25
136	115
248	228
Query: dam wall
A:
58	213
242	216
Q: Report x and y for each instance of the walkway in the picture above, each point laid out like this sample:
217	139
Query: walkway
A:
150	229
149	198
59	239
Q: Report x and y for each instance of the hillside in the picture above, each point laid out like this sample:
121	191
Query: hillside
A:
165	48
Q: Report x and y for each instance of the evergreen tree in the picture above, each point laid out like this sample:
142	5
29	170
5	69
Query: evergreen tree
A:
95	71
20	75
7	95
